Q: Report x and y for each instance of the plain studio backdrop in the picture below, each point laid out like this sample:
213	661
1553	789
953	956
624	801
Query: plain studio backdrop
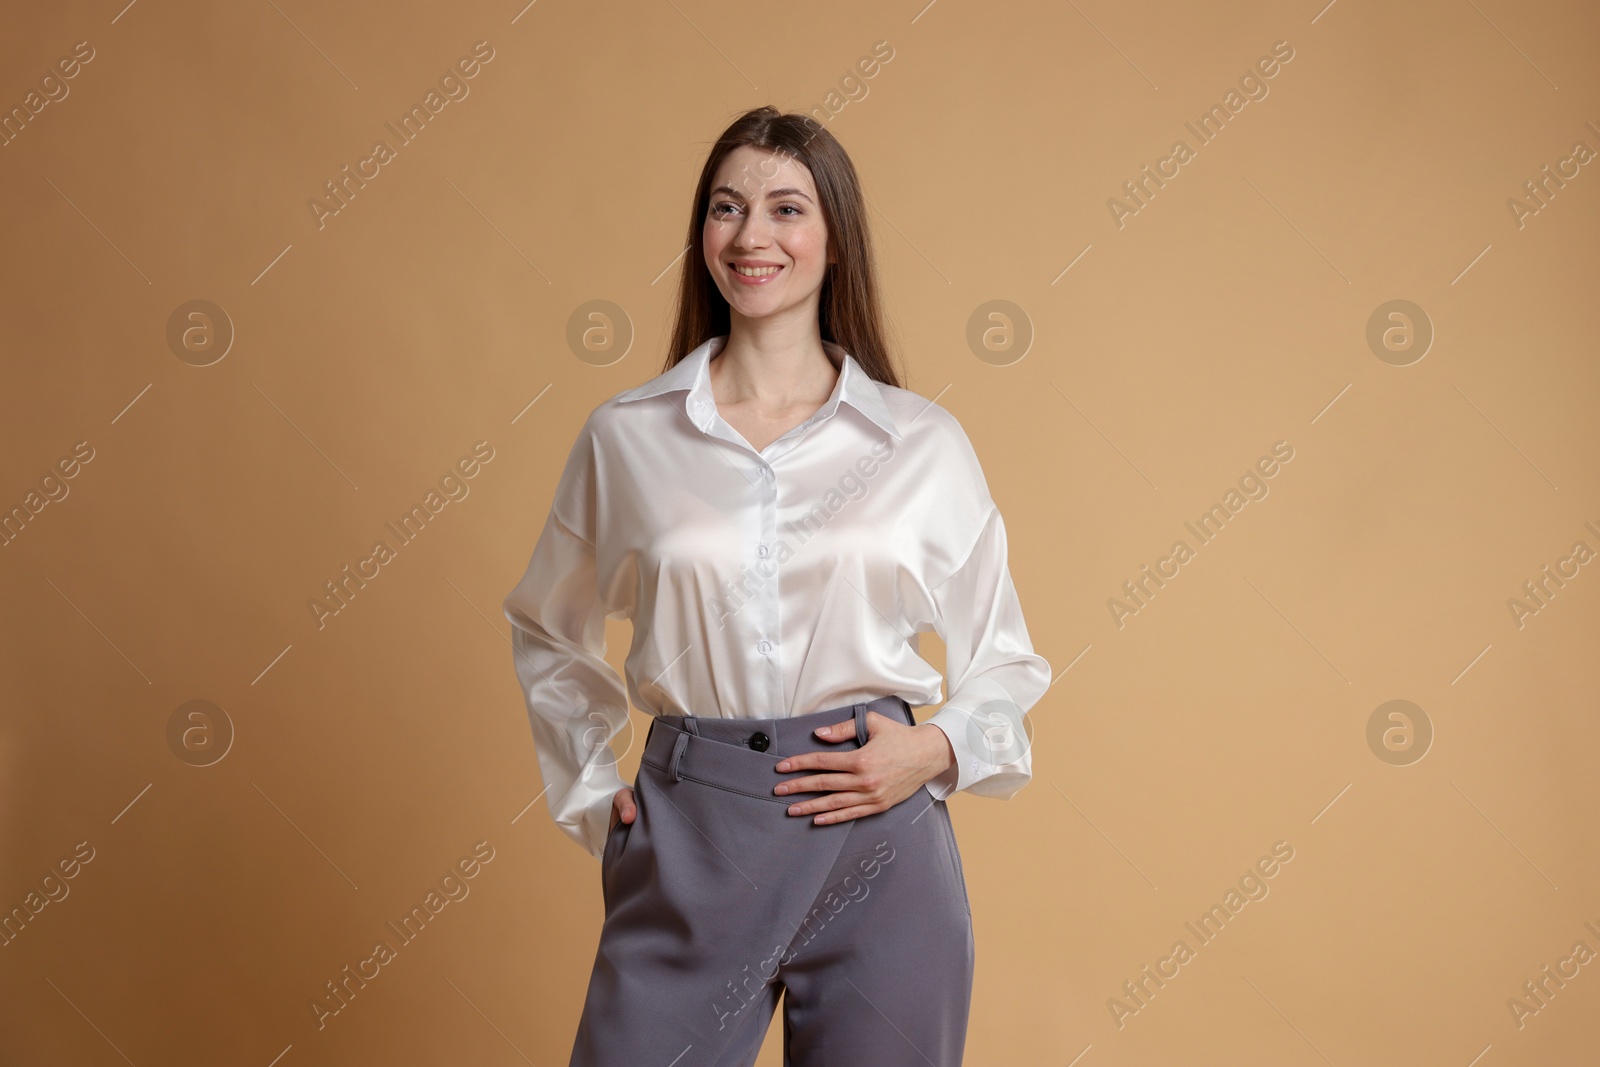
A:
1307	290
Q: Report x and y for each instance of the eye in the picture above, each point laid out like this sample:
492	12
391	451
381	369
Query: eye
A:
790	207
716	209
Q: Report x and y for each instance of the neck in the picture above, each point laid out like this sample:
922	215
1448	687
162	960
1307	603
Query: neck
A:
774	366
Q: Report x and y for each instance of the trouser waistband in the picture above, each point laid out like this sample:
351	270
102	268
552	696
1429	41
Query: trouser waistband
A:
740	754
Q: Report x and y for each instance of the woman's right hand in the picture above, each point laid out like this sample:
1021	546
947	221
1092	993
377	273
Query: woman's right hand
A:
623	807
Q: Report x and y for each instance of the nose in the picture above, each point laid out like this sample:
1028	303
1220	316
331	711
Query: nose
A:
753	232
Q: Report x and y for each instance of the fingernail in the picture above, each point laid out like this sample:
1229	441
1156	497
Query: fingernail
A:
785	766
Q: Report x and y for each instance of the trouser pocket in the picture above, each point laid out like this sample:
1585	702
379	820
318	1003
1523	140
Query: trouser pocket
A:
615	840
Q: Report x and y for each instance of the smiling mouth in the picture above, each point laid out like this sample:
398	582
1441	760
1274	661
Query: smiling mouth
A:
754	272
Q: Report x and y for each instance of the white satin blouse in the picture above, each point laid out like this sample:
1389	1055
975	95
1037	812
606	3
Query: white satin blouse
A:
768	584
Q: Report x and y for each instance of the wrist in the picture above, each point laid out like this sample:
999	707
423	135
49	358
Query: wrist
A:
942	754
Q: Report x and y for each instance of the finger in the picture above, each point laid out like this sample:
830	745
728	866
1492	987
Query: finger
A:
831	761
818	783
839	731
846	814
830	802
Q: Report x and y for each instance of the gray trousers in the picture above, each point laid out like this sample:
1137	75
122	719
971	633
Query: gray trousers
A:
716	898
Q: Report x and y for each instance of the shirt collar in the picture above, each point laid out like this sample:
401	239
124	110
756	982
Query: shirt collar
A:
692	374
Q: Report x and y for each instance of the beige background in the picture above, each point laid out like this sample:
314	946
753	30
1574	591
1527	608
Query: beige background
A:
367	356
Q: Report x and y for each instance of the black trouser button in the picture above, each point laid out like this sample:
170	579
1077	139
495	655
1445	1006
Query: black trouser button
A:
759	741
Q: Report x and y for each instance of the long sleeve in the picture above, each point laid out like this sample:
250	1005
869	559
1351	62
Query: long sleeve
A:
576	701
993	674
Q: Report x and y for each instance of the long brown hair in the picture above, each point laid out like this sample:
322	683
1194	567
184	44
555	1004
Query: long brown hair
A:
848	313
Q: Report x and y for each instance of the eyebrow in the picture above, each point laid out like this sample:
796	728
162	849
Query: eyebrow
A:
770	195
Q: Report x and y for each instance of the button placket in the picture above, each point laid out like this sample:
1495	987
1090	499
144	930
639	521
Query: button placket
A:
767	646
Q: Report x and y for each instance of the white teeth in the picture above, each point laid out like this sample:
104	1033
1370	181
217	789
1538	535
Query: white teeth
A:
756	272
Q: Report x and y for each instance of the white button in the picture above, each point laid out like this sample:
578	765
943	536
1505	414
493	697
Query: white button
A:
764	647
764	472
761	550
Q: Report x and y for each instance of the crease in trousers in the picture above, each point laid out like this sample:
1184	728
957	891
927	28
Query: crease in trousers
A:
717	900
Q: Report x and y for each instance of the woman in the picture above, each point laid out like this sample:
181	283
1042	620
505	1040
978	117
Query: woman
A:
779	520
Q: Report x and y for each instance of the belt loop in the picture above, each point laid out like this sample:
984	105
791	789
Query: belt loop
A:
677	755
861	725
692	724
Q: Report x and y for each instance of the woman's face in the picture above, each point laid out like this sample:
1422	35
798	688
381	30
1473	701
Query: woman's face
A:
764	214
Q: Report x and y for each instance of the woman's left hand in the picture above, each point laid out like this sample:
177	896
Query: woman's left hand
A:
894	763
